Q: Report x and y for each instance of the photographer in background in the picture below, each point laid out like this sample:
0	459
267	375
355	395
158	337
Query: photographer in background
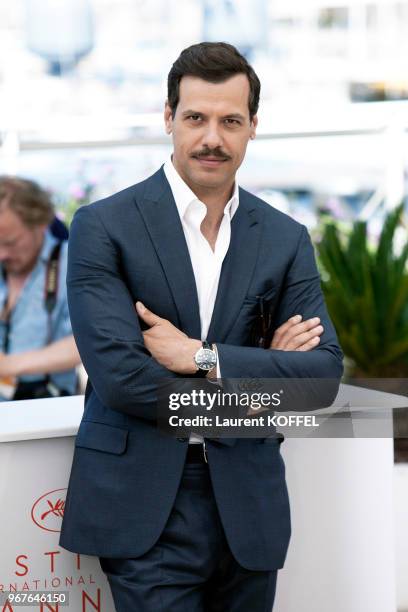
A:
38	354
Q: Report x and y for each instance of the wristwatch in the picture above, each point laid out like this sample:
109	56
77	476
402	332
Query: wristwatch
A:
205	359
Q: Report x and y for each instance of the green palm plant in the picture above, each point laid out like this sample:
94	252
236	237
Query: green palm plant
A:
366	289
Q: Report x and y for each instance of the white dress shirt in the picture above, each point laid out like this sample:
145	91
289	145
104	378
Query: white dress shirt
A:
206	262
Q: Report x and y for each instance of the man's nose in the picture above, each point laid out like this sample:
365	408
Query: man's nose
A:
212	136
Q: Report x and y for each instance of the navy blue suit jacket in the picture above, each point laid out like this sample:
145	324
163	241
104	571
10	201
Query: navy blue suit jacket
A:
125	472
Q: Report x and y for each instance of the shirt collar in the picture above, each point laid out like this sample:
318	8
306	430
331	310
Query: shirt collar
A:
183	195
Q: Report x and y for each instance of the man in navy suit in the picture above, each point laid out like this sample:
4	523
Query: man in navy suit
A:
165	279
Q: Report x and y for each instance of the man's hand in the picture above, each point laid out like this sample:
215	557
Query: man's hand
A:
58	356
295	335
8	366
172	348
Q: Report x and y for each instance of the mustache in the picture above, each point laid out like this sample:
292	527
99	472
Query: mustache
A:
211	153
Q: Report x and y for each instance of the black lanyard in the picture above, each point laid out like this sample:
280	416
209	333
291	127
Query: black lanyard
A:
50	297
6	320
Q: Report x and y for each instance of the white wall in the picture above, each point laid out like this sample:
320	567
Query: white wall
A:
341	556
401	533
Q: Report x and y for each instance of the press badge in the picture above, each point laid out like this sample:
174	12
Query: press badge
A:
8	386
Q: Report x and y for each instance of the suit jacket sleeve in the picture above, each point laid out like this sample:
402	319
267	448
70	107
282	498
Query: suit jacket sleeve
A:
301	294
105	323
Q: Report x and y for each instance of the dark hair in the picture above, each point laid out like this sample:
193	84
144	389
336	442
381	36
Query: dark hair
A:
214	62
27	199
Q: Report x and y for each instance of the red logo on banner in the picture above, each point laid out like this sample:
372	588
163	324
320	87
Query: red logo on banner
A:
48	510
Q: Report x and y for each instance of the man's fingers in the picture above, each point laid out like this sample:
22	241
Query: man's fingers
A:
295	326
281	332
290	335
288	324
304	327
147	315
305	337
311	344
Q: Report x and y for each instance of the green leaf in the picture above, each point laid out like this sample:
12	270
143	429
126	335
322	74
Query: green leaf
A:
366	289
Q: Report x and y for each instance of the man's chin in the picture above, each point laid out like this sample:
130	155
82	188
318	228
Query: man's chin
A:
211	182
210	177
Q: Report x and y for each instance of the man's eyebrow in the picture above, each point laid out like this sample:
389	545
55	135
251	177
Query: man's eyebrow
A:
235	116
192	112
189	112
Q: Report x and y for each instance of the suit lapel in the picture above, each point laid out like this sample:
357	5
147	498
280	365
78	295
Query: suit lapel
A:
237	268
162	220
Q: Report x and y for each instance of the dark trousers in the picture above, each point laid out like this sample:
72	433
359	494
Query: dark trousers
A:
190	568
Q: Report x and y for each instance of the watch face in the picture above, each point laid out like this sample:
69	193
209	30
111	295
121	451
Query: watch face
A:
205	359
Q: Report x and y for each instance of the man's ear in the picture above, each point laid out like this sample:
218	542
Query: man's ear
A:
254	124
168	118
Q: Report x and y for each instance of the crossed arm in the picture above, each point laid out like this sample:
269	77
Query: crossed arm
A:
125	365
174	350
